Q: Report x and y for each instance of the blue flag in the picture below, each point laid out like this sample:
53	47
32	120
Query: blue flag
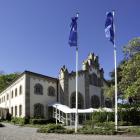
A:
73	32
109	27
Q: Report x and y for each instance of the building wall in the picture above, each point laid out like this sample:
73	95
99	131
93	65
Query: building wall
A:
81	86
15	101
95	90
65	89
44	99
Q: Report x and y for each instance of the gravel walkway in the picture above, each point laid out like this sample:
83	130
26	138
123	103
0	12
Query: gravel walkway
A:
11	132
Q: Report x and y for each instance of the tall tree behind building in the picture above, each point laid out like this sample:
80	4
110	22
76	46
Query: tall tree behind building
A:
6	79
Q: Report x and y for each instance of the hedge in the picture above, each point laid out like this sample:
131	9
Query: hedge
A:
20	121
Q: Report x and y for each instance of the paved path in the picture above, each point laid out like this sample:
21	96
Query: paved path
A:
11	132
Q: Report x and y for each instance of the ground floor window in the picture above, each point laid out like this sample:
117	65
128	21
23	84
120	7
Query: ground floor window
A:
38	110
12	111
20	110
15	110
73	100
95	101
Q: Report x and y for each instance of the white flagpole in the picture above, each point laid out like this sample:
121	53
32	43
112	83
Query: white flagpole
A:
116	105
76	113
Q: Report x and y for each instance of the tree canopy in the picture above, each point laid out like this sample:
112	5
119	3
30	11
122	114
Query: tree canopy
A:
6	79
128	71
132	48
129	84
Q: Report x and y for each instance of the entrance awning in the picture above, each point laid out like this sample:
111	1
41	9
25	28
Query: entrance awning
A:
67	109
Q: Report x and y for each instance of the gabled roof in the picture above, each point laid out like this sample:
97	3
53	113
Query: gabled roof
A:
30	73
39	75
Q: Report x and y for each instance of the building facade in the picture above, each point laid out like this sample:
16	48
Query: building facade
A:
31	94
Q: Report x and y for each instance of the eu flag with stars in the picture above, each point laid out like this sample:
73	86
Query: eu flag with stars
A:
73	32
109	27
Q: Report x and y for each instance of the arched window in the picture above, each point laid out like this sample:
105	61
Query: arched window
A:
38	110
95	80
7	96
51	91
90	80
20	110
73	100
15	110
38	89
15	92
12	94
95	101
108	103
20	89
12	111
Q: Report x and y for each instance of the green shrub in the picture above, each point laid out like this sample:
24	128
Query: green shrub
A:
103	116
129	114
97	131
90	124
38	121
124	123
106	125
20	121
96	127
69	131
52	128
135	131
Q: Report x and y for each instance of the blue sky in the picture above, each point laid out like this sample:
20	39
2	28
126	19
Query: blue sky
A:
34	33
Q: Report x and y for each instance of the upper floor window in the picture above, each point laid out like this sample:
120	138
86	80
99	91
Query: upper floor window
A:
38	89
93	79
7	96
12	94
20	89
51	91
100	83
15	92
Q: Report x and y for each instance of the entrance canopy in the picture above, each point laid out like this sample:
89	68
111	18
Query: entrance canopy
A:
67	109
65	114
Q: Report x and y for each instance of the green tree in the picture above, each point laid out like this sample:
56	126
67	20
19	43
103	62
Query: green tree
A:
130	73
109	91
132	48
6	79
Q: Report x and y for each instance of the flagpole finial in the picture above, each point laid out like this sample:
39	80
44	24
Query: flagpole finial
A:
113	12
77	14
